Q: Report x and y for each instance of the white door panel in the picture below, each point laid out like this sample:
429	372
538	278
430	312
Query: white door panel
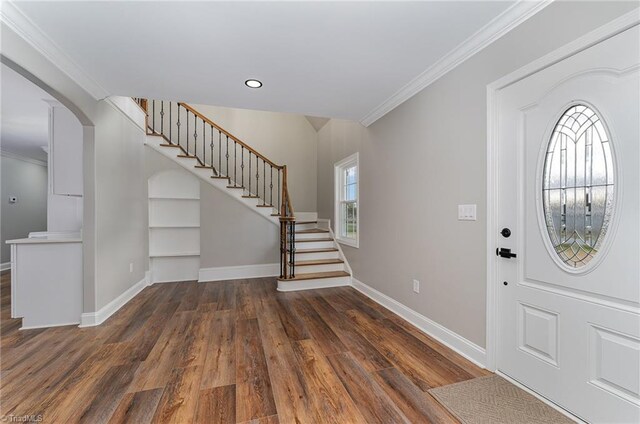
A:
572	333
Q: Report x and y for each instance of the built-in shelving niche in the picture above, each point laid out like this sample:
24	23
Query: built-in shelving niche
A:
174	226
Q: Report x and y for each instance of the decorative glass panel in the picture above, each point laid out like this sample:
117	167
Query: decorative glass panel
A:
578	186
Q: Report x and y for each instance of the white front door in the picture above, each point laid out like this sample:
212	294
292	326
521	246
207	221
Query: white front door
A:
569	194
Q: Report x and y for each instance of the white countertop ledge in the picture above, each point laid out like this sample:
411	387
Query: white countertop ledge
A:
44	240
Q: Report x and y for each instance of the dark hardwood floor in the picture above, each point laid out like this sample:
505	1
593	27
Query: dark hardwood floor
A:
229	352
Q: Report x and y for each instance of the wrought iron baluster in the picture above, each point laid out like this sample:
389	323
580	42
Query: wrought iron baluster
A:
195	136
292	249
204	145
170	123
178	124
250	176
153	121
162	117
242	166
271	187
264	182
283	250
278	205
227	156
235	163
257	176
212	151
187	132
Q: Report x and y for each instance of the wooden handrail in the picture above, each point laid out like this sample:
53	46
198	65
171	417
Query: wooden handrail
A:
231	136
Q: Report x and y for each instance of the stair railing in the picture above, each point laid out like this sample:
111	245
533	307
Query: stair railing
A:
228	158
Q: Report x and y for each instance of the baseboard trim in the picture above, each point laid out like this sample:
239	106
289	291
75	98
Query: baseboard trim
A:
464	347
5	266
237	272
34	327
92	319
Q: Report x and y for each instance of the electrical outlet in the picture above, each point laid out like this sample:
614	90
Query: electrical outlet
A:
131	267
416	286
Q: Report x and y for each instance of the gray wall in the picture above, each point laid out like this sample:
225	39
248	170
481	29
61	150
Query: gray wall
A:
121	203
429	155
284	138
230	233
28	182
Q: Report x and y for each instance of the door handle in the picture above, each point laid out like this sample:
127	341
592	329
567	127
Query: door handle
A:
505	253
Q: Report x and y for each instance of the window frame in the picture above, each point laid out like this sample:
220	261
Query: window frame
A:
339	183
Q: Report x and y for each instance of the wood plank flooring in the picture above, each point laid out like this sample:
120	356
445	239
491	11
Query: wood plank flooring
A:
229	352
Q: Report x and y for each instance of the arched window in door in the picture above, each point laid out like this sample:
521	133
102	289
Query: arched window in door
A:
578	185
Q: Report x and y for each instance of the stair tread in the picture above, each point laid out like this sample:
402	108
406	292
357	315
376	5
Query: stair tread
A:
328	249
165	144
319	262
306	222
312	231
313	240
317	275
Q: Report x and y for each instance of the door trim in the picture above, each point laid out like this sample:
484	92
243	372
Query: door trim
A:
592	38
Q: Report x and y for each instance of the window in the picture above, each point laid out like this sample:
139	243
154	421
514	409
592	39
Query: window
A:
578	186
346	200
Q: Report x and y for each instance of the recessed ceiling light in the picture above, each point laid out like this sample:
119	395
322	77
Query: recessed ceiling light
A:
253	83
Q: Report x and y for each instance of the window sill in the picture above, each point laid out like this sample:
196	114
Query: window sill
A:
348	242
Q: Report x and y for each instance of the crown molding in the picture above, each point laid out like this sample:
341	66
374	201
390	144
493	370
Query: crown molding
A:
496	28
11	155
25	28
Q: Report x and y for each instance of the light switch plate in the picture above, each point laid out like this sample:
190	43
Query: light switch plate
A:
466	212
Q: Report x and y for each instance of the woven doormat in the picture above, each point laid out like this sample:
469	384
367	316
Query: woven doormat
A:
493	400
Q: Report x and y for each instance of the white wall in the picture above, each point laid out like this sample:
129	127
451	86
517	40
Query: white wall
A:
284	138
429	155
28	182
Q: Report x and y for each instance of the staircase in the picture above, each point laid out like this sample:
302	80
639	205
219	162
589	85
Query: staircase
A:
310	257
319	262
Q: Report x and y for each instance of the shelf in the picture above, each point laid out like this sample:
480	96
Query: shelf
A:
173	198
173	226
173	255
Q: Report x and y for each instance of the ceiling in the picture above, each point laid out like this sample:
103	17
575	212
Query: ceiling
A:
327	59
25	116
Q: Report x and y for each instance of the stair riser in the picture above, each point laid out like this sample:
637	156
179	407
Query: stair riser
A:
314	256
301	227
312	236
313	284
315	245
319	268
